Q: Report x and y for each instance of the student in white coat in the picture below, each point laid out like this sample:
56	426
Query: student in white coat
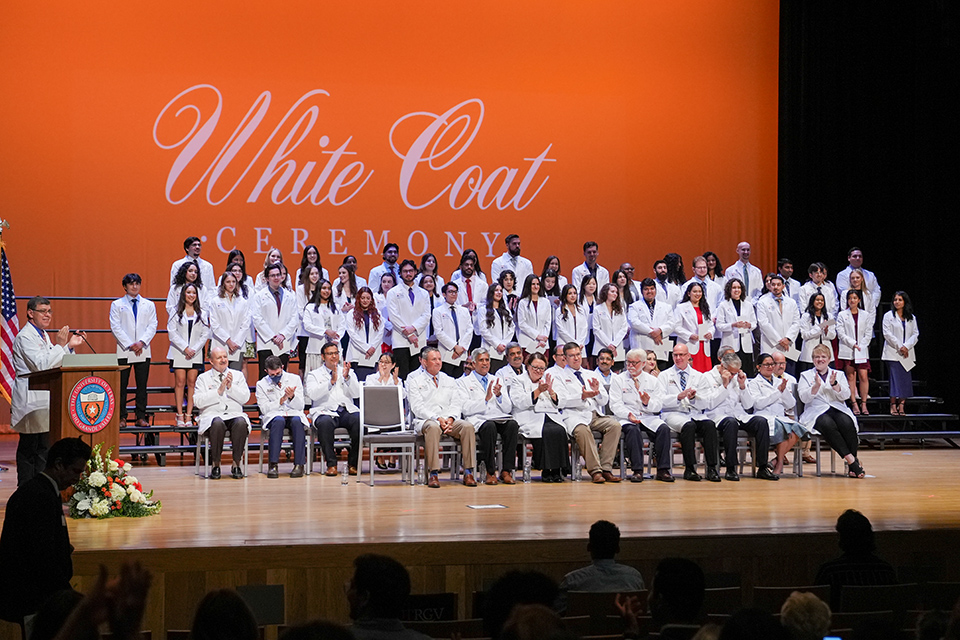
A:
332	388
589	266
454	331
855	262
748	274
409	310
486	405
818	283
308	281
735	323
778	319
511	260
854	329
188	330
571	321
667	291
824	393
133	322
220	395
496	326
280	398
712	291
610	323
534	317
536	409
30	410
900	335
275	318
230	320
636	400
692	313
366	328
192	246
791	287
815	328
322	323
189	273
651	323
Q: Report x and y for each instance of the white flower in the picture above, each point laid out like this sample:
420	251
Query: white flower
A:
130	480
84	505
100	508
118	493
113	466
127	467
135	496
97	479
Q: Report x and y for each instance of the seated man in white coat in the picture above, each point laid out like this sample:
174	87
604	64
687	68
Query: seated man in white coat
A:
331	389
486	404
220	395
729	412
437	404
30	410
636	400
454	330
686	396
651	323
280	398
778	319
582	399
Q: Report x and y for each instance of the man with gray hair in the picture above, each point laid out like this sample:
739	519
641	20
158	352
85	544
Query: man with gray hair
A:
729	412
487	405
220	395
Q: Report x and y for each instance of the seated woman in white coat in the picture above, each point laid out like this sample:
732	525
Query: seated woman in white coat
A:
735	322
366	327
691	313
534	318
536	409
815	328
824	393
772	398
900	335
496	326
386	375
610	324
188	330
571	321
322	323
854	329
230	320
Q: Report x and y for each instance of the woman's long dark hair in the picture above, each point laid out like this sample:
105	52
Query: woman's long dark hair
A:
704	307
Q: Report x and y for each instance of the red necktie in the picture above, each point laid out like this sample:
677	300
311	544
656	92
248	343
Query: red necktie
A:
469	291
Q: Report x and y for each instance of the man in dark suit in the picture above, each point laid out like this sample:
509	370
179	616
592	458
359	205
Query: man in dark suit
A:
35	547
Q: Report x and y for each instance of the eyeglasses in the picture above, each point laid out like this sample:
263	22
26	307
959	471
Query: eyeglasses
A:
634	362
538	369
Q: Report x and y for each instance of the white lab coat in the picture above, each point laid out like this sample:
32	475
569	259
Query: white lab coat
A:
896	335
182	336
500	333
737	339
575	328
317	321
609	328
30	410
268	322
403	314
575	409
812	334
677	413
207	398
326	398
446	332
361	341
533	322
476	408
271	403
625	399
830	297
528	415
815	404
231	320
851	336
776	324
128	330
687	330
641	324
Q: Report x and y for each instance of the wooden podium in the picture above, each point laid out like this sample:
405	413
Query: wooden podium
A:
67	407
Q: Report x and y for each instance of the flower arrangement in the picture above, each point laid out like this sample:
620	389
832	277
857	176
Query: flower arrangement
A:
107	490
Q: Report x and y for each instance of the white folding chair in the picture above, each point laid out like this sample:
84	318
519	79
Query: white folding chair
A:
383	425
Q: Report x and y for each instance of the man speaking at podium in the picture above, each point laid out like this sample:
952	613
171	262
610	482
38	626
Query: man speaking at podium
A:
30	410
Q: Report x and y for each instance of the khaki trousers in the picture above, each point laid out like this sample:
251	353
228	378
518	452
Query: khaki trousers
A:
461	430
583	435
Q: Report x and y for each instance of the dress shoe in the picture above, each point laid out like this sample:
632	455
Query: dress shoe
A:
123	423
691	475
236	472
732	475
434	481
764	473
352	471
506	477
609	477
215	473
272	471
142	422
331	472
297	471
636	477
491	479
809	459
597	477
468	480
664	475
713	475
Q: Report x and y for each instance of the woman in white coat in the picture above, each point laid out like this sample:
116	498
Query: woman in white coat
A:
366	327
308	280
736	321
854	328
815	328
772	399
536	409
534	318
188	273
571	321
692	312
322	323
824	393
188	330
496	326
230	320
610	324
900	335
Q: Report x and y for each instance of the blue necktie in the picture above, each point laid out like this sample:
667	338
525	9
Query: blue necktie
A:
683	380
412	297
456	325
580	377
484	380
134	301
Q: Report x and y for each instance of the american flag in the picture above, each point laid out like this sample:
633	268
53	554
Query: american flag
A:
8	328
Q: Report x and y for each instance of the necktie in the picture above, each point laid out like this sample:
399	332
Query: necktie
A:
484	380
393	272
780	305
580	378
683	380
746	278
786	286
134	301
820	290
650	308
412	297
435	383
221	377
456	324
469	291
278	296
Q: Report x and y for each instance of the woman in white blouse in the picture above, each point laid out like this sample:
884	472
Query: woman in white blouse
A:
815	328
187	329
571	320
854	328
900	335
691	312
366	327
610	324
534	318
311	258
736	321
496	327
345	289
322	323
230	320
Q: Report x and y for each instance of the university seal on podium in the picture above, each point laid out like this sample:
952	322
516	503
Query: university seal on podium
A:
91	404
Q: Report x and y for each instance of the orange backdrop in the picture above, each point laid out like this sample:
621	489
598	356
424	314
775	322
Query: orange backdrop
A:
646	126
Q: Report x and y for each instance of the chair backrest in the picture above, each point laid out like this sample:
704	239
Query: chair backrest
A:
771	599
726	600
940	595
381	408
592	603
470	628
888	597
427	607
